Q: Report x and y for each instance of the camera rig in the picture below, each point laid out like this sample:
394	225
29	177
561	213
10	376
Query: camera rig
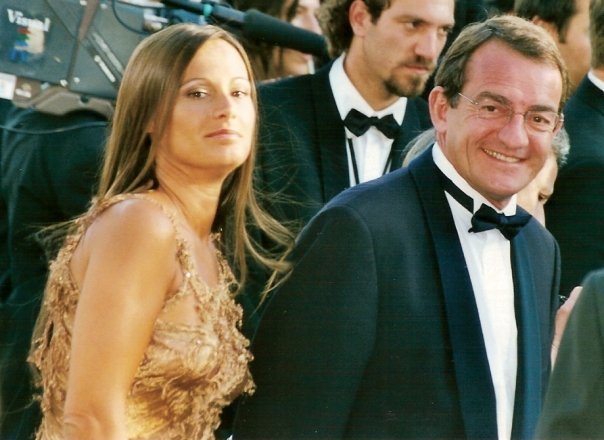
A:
58	56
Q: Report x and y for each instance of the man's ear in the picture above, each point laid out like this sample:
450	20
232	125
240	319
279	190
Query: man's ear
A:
439	107
548	26
359	17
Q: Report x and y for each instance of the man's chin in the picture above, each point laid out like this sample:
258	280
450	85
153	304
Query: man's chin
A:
411	87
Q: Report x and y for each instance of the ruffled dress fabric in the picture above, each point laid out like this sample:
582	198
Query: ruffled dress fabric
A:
188	373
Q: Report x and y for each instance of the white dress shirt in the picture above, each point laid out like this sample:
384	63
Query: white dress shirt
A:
487	256
372	149
595	80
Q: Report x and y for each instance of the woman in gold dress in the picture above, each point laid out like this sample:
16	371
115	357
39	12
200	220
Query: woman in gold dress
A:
138	337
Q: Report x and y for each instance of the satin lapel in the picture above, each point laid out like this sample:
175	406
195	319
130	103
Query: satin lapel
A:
410	128
528	381
331	136
476	393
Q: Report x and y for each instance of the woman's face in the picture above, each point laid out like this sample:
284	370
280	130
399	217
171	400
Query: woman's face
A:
213	119
291	62
535	195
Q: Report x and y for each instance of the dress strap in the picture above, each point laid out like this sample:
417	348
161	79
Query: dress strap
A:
183	252
191	279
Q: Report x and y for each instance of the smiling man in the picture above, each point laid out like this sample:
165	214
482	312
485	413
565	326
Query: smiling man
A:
421	304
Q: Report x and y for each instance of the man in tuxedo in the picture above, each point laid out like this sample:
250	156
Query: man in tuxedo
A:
574	404
386	51
575	212
405	315
49	167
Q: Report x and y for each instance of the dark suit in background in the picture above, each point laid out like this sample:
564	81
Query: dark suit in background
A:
575	212
574	407
302	156
5	107
46	178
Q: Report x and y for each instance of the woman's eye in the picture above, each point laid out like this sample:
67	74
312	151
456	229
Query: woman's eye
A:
197	94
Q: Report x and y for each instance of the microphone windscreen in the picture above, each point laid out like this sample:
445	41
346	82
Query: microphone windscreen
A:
260	26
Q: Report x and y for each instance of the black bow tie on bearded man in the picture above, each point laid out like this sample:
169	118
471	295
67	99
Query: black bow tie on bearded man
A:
358	124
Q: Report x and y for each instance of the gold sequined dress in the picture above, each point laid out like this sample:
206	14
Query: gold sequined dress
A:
188	373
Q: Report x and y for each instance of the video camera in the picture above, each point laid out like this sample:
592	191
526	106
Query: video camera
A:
58	56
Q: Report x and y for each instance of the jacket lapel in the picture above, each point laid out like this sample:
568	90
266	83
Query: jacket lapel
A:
331	136
473	377
410	128
528	381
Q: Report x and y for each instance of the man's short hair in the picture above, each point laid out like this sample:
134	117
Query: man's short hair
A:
556	12
333	17
519	34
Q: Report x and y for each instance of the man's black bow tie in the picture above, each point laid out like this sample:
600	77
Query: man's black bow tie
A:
358	124
486	218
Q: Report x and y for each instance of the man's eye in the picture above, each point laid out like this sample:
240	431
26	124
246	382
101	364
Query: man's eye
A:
446	30
541	119
491	108
411	25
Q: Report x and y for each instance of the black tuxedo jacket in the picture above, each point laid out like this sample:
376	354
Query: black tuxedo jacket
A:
575	398
45	178
376	334
302	161
575	212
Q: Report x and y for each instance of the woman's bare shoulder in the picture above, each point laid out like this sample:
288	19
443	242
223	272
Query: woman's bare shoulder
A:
134	221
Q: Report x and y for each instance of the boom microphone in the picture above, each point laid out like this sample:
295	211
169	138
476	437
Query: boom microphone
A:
258	25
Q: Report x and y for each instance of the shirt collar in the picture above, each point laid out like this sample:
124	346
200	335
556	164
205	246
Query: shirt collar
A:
449	170
595	80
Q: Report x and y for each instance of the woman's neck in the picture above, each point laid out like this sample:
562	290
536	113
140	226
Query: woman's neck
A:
196	204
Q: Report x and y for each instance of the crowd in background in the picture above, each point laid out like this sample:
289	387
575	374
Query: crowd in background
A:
421	300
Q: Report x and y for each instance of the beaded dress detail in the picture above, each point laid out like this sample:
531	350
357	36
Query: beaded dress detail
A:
188	372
